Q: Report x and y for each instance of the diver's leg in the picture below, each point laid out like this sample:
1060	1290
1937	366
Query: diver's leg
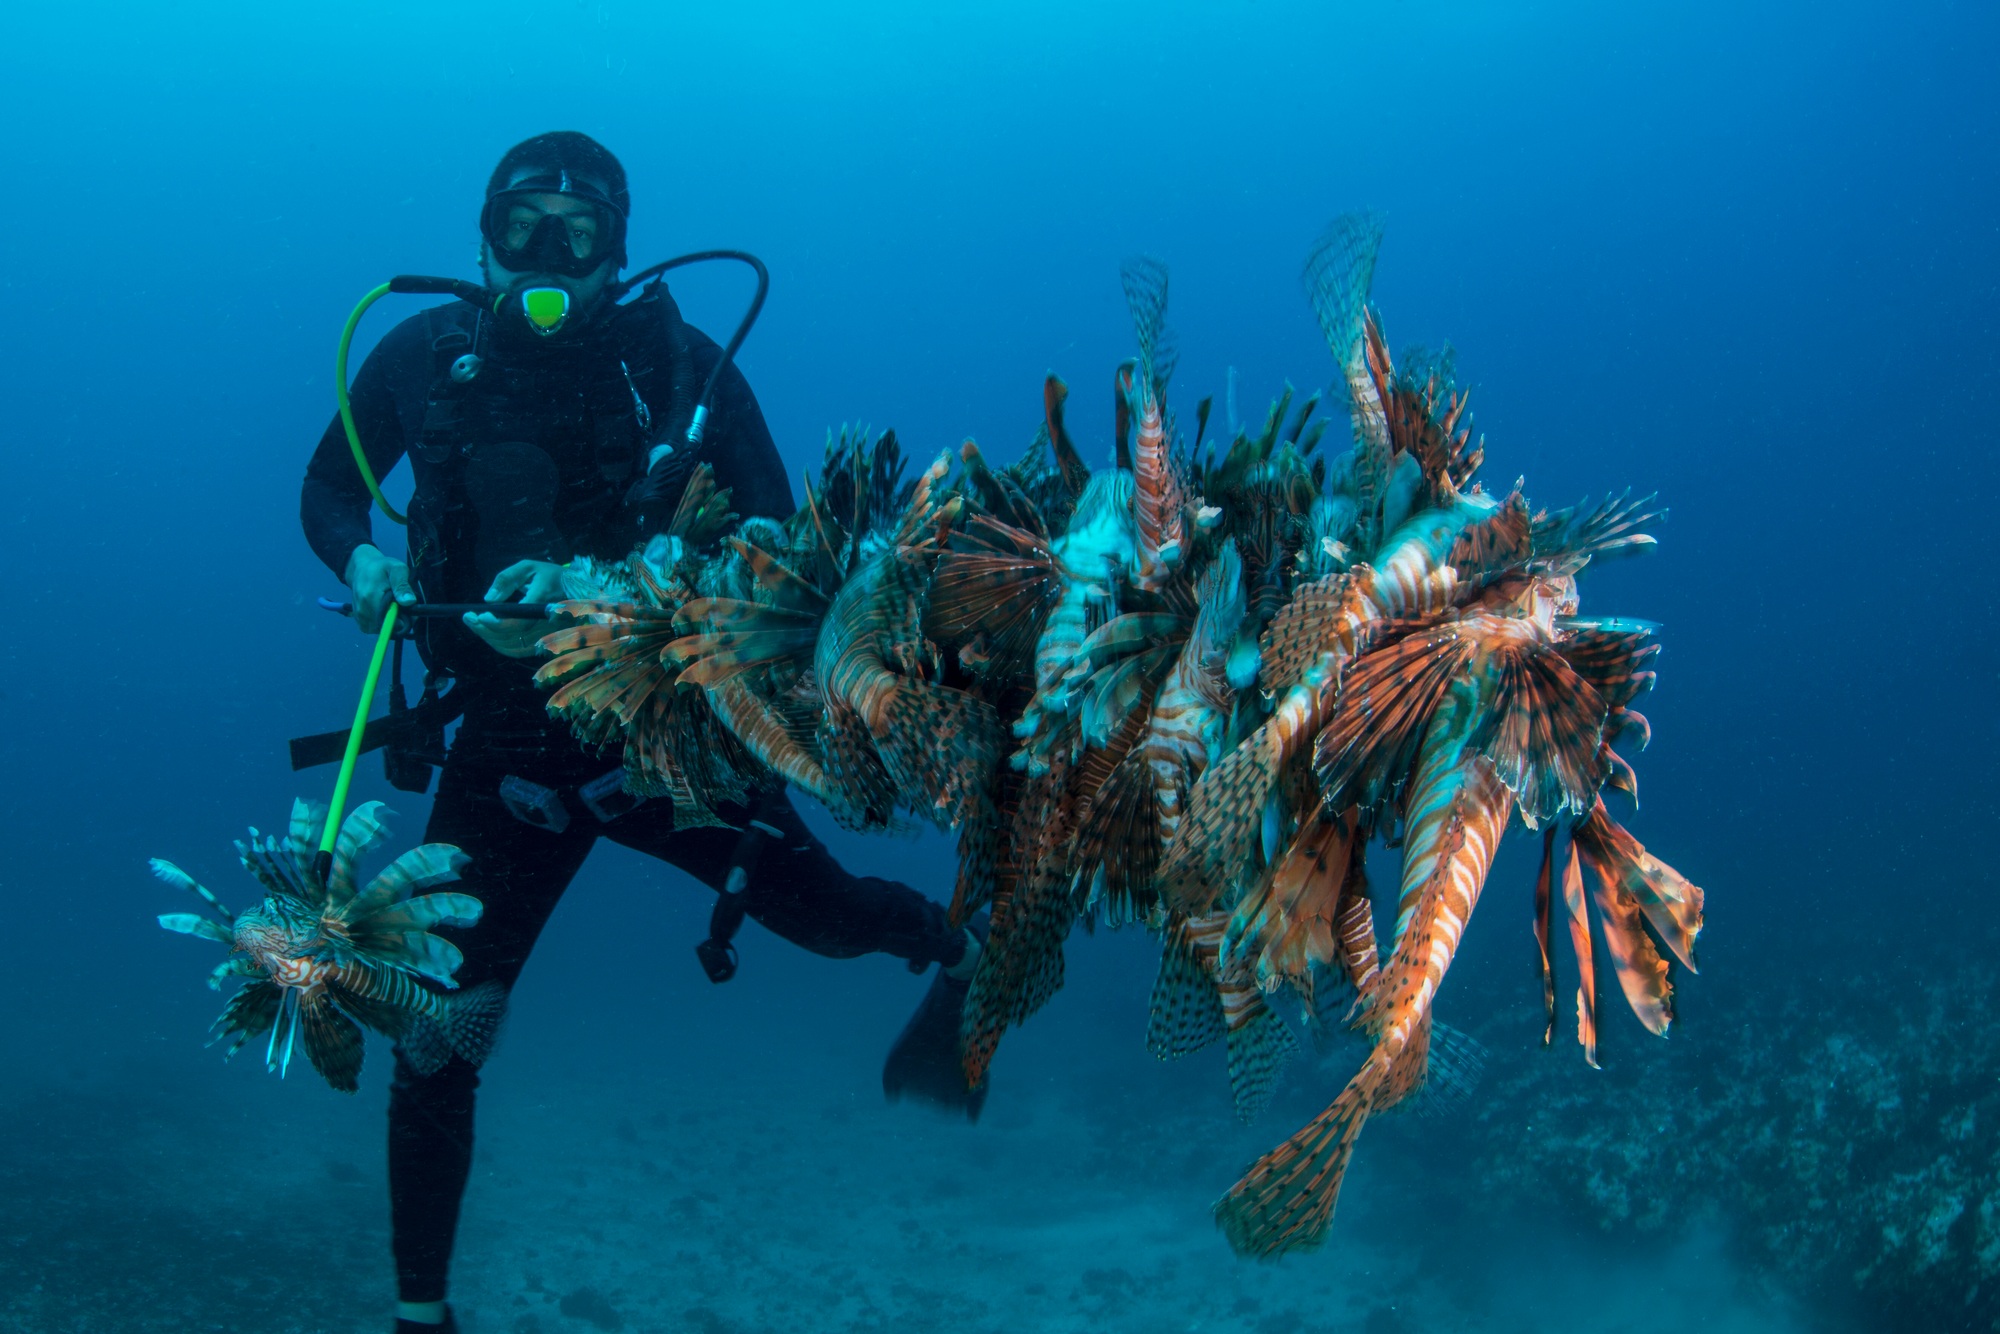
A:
519	873
796	888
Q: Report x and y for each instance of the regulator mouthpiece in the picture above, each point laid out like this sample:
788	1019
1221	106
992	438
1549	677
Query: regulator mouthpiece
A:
546	308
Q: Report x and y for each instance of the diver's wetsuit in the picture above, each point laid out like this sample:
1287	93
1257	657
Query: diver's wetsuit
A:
579	403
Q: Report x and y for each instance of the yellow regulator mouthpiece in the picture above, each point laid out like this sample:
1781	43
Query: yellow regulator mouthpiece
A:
545	307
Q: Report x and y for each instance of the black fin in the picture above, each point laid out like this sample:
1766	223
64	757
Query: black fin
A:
926	1061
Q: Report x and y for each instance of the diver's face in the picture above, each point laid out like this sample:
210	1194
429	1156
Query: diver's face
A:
579	219
583	225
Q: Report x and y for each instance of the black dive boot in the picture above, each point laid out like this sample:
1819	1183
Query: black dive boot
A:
925	1062
448	1326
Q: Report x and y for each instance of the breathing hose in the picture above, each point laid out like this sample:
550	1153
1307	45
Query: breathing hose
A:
700	422
347	411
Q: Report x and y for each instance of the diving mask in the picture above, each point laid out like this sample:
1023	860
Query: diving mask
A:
553	224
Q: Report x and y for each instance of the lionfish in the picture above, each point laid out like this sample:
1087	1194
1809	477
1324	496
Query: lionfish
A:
1225	672
327	958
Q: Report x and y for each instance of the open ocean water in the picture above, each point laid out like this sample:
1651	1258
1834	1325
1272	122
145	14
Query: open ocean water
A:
1744	255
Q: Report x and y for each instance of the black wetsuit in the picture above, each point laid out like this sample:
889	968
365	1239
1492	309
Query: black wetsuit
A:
590	404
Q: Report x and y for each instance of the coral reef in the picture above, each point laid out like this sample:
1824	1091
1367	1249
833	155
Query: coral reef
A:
1846	1134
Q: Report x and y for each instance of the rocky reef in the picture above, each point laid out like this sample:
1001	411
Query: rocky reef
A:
1842	1128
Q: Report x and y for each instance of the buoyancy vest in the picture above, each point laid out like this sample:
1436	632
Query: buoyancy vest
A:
539	452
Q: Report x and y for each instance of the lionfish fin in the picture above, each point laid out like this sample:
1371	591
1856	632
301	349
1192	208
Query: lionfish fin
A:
1545	733
1215	847
1285	925
1260	1045
1672	904
333	1043
994	587
1145	283
180	879
1185	1013
1386	702
1339	271
1568	539
1075	472
1285	1201
1543	903
1586	968
703	514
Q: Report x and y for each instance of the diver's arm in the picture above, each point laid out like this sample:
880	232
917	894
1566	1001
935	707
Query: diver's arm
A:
334	502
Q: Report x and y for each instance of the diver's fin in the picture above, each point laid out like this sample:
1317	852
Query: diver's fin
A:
925	1062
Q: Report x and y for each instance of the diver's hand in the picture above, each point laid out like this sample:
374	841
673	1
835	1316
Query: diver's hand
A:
523	581
374	579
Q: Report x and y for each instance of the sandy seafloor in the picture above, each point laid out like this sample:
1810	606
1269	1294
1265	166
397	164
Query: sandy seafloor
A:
641	1206
655	1153
767	1202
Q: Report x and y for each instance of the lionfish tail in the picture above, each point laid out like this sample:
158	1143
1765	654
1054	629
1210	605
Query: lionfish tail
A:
1285	1201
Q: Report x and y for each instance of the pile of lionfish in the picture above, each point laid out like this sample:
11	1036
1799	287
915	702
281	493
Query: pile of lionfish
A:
1187	692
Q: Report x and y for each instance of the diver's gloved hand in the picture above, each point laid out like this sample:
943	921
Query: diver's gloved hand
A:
373	578
523	581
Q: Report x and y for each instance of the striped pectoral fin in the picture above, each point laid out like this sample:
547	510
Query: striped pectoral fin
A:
1641	972
1186	1013
1671	904
1292	921
939	746
250	1012
360	833
978	861
1216	847
1260	1045
333	1043
1586	968
194	924
424	912
180	879
422	867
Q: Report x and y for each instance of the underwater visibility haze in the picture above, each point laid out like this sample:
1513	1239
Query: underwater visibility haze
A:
1256	313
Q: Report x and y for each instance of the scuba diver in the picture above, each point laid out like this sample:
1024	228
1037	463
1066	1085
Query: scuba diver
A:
535	435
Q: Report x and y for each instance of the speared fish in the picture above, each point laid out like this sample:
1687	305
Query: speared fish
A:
326	957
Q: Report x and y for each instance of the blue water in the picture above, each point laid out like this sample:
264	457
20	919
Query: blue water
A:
1746	255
